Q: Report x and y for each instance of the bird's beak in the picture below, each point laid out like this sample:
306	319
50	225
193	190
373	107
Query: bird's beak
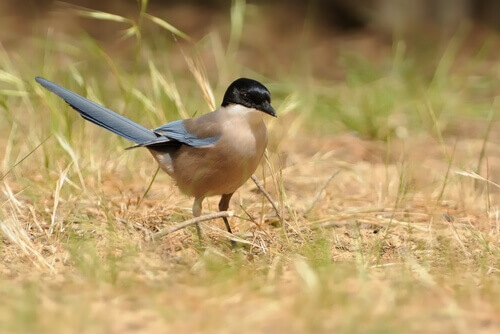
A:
268	109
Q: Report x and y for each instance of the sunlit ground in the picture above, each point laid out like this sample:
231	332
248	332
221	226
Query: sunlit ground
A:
384	162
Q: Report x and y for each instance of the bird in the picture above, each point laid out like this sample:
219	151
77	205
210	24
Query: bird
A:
209	155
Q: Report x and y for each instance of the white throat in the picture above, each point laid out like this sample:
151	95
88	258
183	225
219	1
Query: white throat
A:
238	109
251	115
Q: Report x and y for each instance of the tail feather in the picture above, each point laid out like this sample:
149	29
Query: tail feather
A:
100	115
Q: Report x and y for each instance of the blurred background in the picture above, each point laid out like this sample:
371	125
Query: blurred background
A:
389	15
295	41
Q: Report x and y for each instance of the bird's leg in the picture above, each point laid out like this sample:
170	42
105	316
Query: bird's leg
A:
223	206
197	213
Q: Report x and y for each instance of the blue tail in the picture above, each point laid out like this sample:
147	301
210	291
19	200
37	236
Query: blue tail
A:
100	115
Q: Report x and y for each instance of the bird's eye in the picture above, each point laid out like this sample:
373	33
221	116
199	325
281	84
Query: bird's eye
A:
245	96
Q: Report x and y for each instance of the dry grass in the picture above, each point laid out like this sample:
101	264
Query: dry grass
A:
373	253
399	233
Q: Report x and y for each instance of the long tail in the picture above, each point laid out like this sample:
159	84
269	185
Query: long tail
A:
100	115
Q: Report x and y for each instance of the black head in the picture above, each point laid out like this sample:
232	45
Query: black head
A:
249	93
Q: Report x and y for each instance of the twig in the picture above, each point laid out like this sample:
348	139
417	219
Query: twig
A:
320	191
24	158
236	237
485	140
267	195
255	222
149	186
187	223
327	225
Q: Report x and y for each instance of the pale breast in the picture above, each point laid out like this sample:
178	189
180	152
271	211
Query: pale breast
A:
223	167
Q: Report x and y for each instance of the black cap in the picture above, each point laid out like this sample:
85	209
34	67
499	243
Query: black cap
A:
249	93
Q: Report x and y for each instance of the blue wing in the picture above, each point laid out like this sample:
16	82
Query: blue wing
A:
176	132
